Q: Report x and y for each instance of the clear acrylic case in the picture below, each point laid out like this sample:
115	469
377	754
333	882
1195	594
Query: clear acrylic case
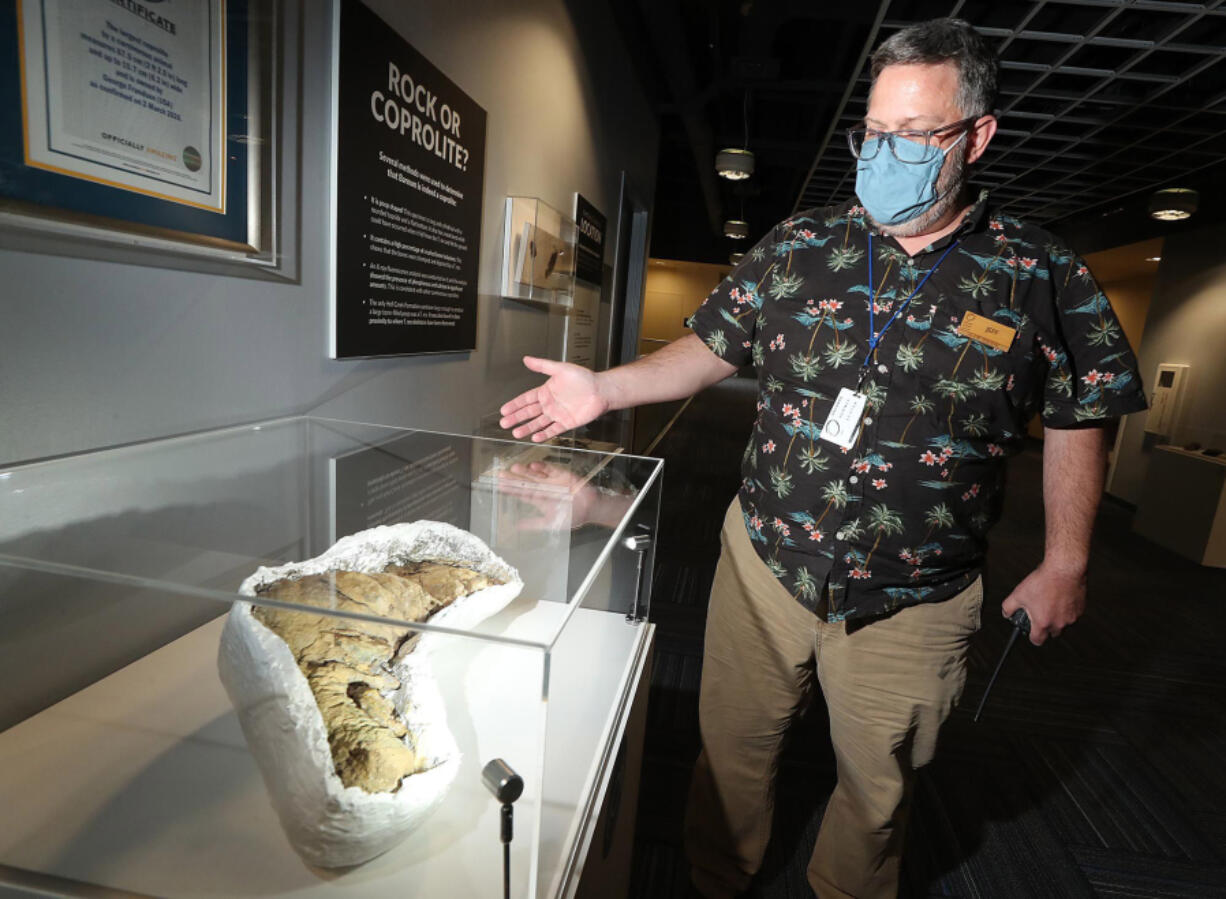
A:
122	762
539	252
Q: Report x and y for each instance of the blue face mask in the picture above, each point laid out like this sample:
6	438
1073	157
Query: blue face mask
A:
894	191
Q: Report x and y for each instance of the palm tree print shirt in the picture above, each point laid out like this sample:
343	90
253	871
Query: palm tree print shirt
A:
901	517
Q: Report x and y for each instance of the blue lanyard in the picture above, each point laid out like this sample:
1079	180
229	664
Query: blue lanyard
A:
874	336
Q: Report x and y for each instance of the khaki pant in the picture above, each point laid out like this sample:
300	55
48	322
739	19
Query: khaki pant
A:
888	687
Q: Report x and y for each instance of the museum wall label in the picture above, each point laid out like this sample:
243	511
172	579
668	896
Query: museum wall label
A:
409	169
589	256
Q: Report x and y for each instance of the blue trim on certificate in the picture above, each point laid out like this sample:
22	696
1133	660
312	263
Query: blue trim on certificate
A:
40	187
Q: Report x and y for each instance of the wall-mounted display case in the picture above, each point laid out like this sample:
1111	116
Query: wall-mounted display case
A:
124	762
538	262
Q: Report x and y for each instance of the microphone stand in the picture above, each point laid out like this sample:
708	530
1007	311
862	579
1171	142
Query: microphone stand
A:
506	786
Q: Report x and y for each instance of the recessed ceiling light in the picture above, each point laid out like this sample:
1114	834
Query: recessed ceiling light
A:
1153	258
736	257
1173	204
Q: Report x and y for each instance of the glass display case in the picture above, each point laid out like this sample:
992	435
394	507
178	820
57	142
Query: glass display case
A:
538	260
141	752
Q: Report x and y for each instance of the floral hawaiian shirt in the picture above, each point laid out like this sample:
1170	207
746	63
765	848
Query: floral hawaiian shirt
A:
901	516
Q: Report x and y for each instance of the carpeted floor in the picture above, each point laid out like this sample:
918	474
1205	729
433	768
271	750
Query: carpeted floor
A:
1098	768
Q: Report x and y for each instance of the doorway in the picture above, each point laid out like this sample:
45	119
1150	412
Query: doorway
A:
629	273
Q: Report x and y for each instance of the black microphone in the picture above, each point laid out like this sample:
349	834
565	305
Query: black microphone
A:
507	786
501	780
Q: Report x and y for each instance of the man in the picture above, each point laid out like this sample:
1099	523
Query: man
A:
902	342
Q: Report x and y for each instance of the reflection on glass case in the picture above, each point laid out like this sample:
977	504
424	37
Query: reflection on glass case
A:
276	659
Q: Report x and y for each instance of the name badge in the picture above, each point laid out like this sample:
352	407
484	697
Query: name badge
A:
987	331
843	423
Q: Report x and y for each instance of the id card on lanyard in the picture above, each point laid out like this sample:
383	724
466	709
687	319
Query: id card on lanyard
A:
842	425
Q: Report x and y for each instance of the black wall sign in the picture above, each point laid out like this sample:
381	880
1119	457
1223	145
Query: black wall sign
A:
410	166
589	260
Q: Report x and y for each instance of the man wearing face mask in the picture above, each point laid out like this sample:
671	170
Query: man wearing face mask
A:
902	342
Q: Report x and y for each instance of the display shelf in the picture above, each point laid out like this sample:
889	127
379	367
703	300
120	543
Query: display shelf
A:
123	763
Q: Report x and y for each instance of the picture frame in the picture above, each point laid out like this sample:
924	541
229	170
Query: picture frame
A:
71	76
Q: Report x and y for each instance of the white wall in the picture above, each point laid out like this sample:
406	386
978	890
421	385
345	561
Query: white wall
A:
1186	323
98	353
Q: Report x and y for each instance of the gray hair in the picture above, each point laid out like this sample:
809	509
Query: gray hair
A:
946	40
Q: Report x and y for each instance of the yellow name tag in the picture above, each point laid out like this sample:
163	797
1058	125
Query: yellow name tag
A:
987	331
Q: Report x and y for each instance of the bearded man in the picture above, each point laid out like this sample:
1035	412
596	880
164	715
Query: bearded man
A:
902	342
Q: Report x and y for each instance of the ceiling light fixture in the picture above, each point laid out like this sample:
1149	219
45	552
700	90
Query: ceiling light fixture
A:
1153	258
1173	204
737	229
733	164
736	257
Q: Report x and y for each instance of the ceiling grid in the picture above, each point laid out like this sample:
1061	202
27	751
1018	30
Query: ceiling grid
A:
1099	99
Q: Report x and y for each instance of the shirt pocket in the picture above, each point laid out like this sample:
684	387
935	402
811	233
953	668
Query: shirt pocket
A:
972	391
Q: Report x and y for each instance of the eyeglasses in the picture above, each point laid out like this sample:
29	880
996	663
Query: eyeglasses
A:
921	146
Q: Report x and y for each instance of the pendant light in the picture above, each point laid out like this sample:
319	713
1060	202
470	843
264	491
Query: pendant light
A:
737	229
1173	204
733	163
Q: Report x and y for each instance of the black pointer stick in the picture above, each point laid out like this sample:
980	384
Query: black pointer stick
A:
1021	625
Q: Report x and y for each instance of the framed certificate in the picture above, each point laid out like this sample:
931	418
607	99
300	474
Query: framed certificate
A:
139	119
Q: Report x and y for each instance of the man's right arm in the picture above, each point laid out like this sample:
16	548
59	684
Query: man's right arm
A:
573	395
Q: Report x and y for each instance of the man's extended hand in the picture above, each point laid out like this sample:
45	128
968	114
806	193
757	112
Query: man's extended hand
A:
573	396
1053	598
569	399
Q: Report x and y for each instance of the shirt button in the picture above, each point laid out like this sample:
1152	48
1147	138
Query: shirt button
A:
841	535
883	368
853	479
868	421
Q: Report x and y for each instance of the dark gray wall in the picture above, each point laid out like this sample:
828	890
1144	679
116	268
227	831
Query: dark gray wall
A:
98	353
1186	323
